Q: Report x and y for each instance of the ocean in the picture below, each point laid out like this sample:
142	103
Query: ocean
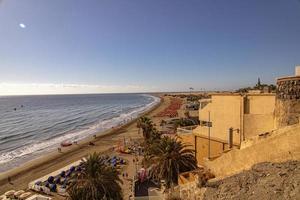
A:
33	125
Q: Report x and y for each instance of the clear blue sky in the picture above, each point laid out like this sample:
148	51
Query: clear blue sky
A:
149	45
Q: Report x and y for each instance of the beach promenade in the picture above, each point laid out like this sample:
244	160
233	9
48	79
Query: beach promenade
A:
104	142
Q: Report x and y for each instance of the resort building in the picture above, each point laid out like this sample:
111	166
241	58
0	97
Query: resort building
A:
246	114
227	119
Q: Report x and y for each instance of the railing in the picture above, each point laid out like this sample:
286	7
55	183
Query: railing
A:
204	103
186	129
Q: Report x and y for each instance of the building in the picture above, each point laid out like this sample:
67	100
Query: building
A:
227	119
238	131
246	114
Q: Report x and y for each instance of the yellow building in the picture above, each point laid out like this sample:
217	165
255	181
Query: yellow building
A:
247	114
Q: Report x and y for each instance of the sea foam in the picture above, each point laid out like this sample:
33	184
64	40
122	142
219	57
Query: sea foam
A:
28	152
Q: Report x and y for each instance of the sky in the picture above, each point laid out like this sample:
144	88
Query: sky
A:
100	46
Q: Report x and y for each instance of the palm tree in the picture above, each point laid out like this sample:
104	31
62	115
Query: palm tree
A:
153	138
146	125
98	181
170	158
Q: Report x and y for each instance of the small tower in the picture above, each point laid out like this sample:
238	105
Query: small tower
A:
258	82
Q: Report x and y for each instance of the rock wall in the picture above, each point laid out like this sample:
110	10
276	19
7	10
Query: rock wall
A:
287	110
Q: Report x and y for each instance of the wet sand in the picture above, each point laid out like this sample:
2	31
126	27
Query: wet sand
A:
104	142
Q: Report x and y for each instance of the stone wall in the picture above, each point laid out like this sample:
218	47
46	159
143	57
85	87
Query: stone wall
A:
279	146
288	88
287	101
191	191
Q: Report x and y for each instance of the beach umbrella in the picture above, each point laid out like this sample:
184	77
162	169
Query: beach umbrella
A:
62	173
78	169
68	173
57	180
52	187
38	183
50	179
72	168
114	161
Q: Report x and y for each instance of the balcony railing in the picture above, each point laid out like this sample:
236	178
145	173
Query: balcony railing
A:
186	130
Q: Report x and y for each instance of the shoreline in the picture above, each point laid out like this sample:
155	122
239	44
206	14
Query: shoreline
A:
104	142
98	127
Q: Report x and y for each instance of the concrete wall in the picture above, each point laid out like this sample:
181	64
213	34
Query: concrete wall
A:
225	112
204	112
201	145
258	114
251	114
279	147
255	124
216	149
187	139
260	104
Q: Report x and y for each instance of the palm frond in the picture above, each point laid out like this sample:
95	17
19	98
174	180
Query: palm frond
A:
98	181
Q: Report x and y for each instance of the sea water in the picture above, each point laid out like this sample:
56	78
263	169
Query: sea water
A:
34	125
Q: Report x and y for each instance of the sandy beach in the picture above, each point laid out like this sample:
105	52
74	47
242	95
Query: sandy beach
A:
22	175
